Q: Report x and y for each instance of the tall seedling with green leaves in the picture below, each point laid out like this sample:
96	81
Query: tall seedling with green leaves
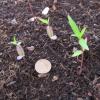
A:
79	35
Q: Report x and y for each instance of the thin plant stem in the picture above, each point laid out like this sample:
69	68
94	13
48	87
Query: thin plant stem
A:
82	59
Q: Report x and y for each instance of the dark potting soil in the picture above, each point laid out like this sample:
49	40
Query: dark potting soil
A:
66	80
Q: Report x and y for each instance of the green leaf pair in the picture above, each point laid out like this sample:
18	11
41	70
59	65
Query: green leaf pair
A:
44	21
77	53
75	28
15	42
84	46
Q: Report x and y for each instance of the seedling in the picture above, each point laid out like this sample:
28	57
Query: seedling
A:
79	35
49	29
44	21
19	48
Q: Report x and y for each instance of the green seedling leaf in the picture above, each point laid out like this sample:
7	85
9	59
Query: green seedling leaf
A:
44	21
74	27
83	44
14	42
82	32
77	53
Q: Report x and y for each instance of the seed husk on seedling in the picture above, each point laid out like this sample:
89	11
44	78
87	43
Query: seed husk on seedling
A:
50	33
20	52
43	66
19	48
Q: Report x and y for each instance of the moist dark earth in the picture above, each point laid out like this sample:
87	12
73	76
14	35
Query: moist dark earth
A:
65	81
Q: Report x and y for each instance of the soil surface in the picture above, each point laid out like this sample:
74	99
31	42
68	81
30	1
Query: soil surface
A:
66	80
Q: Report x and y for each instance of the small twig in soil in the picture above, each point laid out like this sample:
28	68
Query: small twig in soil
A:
54	4
30	6
62	66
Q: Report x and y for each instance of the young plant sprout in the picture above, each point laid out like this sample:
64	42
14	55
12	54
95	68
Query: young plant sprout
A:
43	66
46	22
79	35
19	48
48	29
